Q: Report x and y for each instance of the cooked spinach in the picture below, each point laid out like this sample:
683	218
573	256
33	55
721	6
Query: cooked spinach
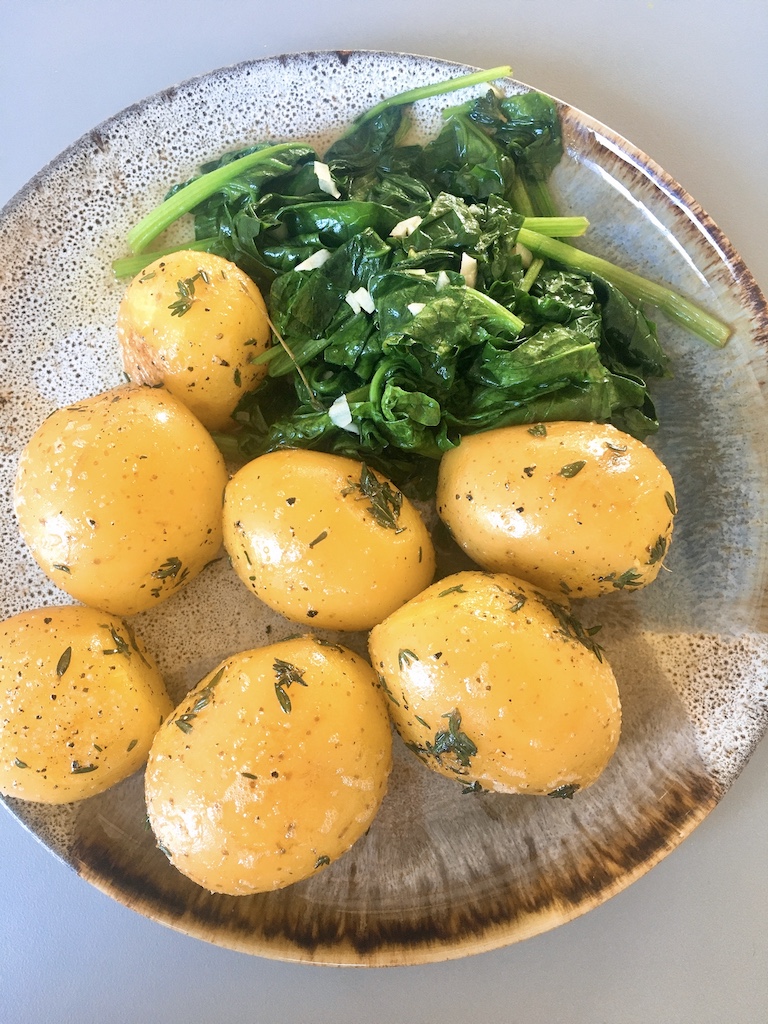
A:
420	292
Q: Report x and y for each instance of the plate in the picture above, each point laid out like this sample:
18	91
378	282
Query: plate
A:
440	874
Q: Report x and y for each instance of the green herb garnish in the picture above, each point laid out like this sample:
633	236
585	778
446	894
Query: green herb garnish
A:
186	291
121	645
386	503
405	657
565	792
287	674
453	741
63	663
572	469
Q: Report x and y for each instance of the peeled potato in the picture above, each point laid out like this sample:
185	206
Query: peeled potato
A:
193	322
323	540
493	683
271	768
119	498
80	703
576	508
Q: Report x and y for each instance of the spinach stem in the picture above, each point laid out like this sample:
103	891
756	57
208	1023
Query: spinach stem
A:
435	89
531	274
634	286
192	194
130	266
557	227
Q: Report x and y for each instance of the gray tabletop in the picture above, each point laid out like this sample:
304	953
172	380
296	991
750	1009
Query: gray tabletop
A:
686	81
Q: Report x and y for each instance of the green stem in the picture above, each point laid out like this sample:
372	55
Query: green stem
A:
436	89
541	198
557	227
531	274
635	287
520	199
130	266
187	198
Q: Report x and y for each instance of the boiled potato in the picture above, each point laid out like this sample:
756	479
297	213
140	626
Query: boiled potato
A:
323	540
271	768
193	322
119	498
495	684
576	508
80	703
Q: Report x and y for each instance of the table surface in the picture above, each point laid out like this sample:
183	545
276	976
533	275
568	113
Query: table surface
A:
686	81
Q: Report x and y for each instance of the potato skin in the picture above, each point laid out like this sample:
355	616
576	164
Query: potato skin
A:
119	498
80	702
493	683
200	347
579	508
271	768
303	538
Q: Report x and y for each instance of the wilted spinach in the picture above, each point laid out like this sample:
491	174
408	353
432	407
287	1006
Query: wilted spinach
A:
419	316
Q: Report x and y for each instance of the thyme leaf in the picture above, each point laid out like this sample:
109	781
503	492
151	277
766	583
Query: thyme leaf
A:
565	792
63	663
571	628
658	550
121	645
386	503
453	740
169	569
186	291
385	687
405	657
287	674
572	468
629	580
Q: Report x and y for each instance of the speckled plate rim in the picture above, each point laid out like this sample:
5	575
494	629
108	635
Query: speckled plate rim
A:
495	934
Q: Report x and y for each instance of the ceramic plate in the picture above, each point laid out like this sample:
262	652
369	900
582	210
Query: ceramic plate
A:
440	874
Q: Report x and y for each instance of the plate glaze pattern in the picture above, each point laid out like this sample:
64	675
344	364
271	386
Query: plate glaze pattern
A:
440	874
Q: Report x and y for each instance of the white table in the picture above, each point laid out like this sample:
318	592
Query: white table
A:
686	81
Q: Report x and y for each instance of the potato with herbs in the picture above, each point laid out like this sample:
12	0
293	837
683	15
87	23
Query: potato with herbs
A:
119	498
193	322
495	684
324	540
271	768
80	702
576	508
